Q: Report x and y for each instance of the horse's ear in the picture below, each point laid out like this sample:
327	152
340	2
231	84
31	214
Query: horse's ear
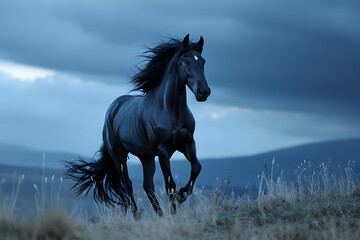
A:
185	42
199	45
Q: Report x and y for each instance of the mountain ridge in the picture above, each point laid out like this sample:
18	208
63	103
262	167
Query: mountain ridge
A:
243	170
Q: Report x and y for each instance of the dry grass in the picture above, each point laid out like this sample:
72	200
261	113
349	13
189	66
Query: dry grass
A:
320	217
325	209
48	226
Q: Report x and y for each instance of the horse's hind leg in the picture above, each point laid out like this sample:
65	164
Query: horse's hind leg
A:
120	158
148	183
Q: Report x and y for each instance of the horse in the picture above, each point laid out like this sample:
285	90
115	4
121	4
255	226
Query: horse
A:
157	122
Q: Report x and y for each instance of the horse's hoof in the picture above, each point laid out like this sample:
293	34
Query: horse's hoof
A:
173	204
181	195
137	214
160	213
173	210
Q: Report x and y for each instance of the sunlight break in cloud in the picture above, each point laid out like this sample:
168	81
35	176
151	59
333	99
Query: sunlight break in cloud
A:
23	72
227	110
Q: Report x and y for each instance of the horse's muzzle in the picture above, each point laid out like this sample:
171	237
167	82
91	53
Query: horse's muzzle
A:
202	95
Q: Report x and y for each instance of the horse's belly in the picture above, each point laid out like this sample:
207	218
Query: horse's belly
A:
135	140
138	150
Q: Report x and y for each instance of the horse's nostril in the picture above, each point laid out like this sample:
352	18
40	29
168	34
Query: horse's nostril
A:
199	91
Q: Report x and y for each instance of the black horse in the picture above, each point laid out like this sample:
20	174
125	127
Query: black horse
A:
157	123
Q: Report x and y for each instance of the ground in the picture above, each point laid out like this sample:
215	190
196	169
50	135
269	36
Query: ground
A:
278	214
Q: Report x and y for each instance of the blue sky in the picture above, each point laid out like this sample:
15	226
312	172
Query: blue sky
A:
281	72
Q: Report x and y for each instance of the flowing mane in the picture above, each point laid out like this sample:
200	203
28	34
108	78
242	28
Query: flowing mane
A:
157	59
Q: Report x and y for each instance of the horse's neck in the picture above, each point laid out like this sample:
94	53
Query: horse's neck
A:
171	92
174	95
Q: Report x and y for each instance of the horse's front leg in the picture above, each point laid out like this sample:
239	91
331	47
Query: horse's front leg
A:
190	154
170	186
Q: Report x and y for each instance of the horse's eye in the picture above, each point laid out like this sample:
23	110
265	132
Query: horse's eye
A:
186	62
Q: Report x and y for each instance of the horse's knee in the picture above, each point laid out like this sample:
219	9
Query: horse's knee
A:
196	168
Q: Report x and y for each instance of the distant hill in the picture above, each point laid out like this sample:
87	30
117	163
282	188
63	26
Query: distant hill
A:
243	170
24	157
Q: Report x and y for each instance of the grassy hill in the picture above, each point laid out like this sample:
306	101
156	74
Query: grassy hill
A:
327	209
322	204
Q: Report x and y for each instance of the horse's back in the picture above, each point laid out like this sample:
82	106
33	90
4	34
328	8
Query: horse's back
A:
124	124
114	108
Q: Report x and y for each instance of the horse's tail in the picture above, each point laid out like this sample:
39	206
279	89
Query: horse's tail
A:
102	175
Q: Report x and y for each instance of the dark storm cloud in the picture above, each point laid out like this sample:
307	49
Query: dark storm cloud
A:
301	57
90	37
283	55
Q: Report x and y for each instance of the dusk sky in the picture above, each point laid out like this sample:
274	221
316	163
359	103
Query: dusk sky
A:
281	72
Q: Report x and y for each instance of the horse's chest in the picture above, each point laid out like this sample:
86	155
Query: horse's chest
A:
179	137
175	137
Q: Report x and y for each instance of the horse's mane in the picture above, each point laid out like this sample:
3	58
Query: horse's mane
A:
157	59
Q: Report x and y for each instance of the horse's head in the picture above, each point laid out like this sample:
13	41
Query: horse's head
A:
191	68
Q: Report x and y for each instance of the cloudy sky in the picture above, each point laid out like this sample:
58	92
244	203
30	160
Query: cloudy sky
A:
281	72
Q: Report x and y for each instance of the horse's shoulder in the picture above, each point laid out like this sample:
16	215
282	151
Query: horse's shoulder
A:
122	99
